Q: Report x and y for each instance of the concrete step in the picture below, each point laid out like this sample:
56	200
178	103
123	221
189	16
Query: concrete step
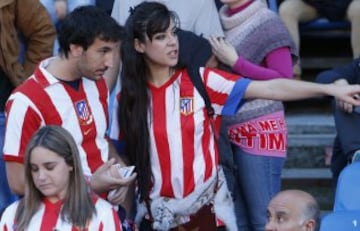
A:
306	173
299	140
305	168
310	124
307	177
308	135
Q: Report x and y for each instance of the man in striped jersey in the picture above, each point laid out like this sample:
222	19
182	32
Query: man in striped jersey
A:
69	90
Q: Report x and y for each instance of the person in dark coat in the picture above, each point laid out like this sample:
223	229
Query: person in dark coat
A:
346	148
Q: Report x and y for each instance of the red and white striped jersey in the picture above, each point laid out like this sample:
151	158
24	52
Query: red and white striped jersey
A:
43	100
183	148
48	218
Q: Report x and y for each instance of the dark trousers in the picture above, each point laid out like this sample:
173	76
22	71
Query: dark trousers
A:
347	140
203	220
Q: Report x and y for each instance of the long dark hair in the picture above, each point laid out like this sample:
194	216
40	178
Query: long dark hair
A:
146	19
78	207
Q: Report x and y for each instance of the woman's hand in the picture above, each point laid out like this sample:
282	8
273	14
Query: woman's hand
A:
224	51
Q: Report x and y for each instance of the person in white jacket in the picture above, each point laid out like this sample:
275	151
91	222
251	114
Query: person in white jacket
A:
200	16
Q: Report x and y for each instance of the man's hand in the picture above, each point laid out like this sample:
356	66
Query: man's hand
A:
120	195
346	107
102	180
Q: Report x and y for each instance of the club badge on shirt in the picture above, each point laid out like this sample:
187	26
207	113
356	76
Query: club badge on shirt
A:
186	105
83	112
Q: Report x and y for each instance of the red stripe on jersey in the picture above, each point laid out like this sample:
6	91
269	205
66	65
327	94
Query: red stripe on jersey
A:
219	223
11	158
217	124
5	228
103	90
51	215
161	139
187	136
206	148
41	78
7	107
87	126
117	221
33	122
217	97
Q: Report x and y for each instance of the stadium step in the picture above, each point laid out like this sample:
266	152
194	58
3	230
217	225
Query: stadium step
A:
305	168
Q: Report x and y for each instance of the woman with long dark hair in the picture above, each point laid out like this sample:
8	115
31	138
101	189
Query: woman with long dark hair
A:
168	135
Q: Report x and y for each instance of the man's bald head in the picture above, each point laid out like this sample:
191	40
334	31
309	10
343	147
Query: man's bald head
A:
293	210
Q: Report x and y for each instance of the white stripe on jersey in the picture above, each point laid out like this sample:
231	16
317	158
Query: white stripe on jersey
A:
100	116
199	167
34	223
15	117
173	129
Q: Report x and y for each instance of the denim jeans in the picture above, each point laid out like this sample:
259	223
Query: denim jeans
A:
6	197
258	180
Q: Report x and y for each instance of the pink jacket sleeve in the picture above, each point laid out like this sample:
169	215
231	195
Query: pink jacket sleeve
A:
277	64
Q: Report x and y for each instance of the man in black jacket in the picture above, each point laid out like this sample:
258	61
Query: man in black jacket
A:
346	147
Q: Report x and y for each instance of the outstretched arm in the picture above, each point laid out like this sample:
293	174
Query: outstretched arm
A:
342	75
346	107
289	90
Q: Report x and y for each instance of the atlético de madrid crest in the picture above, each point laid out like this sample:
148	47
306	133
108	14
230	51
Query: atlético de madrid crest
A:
186	105
83	112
